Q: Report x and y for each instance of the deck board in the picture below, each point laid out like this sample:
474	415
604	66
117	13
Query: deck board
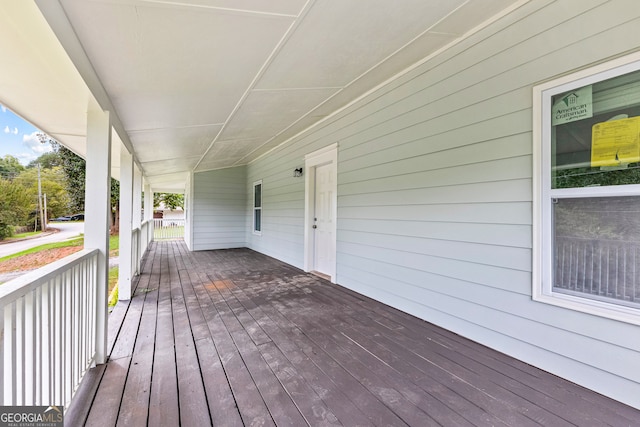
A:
163	398
135	399
233	337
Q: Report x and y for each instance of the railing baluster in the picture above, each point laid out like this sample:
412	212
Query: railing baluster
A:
591	270
82	324
59	318
9	355
48	320
29	348
584	267
165	229
67	332
602	268
20	347
635	289
2	353
45	346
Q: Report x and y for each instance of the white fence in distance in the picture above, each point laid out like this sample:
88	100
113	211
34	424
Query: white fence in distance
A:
168	229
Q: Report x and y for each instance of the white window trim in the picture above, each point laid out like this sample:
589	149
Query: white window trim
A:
542	289
254	208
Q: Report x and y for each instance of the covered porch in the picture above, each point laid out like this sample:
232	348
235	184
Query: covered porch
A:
423	119
233	337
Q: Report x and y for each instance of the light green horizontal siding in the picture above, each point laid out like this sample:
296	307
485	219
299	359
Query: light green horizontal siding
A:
435	190
219	209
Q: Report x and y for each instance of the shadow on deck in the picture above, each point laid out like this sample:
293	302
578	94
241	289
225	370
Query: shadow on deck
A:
233	337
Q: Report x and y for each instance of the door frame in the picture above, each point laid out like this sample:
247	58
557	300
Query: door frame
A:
323	156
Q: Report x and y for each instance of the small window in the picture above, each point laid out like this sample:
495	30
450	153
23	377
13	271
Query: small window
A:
587	250
257	207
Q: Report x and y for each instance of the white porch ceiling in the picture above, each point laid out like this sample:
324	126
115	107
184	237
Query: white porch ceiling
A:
205	84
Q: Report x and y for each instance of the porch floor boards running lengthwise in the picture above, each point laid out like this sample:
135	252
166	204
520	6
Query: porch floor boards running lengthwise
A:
233	338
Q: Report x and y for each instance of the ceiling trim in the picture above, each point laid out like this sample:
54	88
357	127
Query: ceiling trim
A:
307	6
285	89
225	9
407	70
174	128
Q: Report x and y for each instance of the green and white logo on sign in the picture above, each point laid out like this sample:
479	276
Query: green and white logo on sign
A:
571	106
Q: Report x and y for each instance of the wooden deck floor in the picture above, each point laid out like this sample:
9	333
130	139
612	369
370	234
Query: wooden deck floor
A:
232	338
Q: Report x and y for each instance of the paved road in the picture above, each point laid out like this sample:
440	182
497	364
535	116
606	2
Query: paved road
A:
67	231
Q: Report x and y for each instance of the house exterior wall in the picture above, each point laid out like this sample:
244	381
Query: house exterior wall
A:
282	207
435	191
172	214
219	209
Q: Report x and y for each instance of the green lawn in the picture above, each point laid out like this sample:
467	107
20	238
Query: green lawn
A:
23	235
113	286
73	242
114	247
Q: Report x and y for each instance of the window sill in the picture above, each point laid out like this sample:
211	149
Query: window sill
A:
593	307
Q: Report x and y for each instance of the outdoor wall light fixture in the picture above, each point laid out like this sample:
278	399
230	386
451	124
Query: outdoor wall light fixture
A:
297	173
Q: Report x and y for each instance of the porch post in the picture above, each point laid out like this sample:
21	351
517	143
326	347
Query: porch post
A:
137	197
148	209
137	214
125	272
97	213
148	202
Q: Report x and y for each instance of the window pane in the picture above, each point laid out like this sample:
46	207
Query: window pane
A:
597	248
595	134
256	219
257	196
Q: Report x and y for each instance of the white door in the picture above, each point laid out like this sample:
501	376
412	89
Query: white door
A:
323	220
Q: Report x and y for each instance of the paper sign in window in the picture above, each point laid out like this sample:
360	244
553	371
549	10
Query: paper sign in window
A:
616	142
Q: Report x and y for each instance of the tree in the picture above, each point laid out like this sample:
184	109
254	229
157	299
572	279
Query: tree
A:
47	160
10	167
74	168
15	206
115	206
173	200
53	185
170	200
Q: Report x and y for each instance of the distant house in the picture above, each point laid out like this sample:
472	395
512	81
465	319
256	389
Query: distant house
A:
162	212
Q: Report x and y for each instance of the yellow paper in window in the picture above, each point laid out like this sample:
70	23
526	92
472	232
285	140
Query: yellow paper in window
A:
616	142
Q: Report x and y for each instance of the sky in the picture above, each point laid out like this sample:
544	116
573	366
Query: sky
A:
18	138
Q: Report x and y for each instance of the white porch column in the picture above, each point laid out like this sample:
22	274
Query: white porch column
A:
97	213
137	214
148	211
125	273
137	197
148	202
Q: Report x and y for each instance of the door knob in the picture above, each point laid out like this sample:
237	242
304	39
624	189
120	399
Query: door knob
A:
315	226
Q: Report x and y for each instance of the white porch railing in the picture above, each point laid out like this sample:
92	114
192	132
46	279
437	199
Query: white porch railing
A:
146	235
140	239
598	269
49	331
135	251
167	229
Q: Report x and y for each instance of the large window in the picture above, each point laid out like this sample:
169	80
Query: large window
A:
257	207
587	222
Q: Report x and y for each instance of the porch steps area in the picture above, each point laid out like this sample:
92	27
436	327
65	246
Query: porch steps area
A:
236	338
